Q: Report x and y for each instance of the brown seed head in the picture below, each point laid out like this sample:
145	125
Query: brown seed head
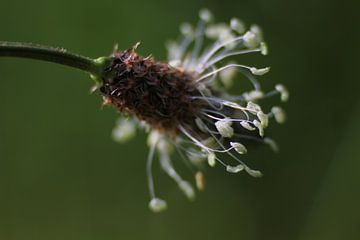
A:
156	93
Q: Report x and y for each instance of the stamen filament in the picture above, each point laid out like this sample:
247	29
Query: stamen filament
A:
197	142
217	48
149	171
223	56
221	69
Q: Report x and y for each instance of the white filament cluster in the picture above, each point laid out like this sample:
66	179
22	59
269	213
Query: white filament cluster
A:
227	120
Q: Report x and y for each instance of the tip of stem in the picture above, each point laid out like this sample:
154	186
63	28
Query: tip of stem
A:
101	64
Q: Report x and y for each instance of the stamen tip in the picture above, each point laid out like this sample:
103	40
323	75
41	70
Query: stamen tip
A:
253	173
186	29
224	128
272	144
124	130
279	114
205	15
187	189
157	205
284	93
263	48
211	159
235	169
237	25
200	181
241	149
259	71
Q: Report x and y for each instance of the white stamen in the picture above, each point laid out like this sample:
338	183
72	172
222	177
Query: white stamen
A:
284	94
250	39
169	169
235	169
228	37
253	173
259	127
157	205
149	171
227	76
239	147
232	104
222	56
153	138
186	29
221	69
164	145
174	50
253	107
175	63
237	25
125	130
253	95
201	125
259	71
247	126
227	150
253	38
215	31
263	48
216	48
224	128
205	15
209	142
196	158
211	159
264	119
197	142
272	144
279	114
257	31
187	189
200	181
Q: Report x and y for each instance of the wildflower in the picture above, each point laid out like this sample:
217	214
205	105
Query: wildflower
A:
182	107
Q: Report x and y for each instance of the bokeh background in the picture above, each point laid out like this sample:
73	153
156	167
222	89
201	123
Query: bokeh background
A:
62	176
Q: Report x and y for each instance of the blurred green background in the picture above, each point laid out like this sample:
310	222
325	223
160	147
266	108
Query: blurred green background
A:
62	176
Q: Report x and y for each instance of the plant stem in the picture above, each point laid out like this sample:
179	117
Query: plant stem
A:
51	54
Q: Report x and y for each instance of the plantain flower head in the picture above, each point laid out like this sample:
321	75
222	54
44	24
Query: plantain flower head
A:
184	105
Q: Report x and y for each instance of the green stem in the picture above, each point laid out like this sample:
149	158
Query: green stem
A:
56	55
